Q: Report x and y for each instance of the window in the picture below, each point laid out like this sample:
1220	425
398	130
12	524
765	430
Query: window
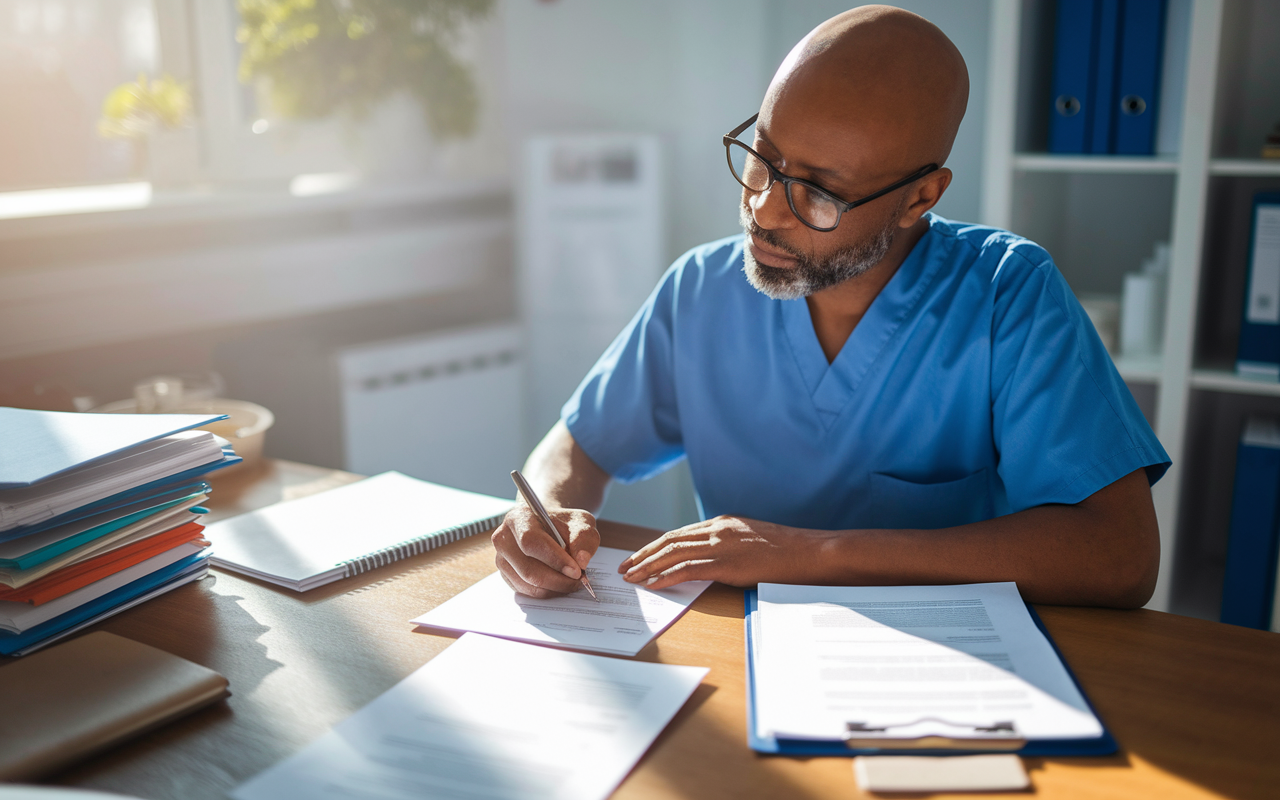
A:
61	59
58	60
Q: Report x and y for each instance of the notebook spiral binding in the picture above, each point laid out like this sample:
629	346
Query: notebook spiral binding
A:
413	547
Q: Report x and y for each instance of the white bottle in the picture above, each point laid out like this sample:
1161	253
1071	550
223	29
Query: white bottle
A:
1142	305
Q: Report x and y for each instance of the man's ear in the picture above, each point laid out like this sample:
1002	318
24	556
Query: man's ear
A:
925	194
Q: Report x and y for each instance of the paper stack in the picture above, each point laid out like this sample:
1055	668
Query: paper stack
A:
97	513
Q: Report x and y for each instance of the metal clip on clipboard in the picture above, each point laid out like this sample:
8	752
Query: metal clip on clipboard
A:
934	733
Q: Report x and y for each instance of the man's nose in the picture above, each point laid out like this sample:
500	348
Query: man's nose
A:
770	210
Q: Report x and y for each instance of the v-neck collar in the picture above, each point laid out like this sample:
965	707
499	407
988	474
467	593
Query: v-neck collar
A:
833	385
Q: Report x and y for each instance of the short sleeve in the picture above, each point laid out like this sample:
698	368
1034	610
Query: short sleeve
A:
624	414
1064	423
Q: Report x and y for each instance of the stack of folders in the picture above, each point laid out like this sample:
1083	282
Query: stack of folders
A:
97	513
1118	71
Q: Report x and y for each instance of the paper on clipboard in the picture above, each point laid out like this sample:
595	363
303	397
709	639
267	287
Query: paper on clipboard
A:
908	661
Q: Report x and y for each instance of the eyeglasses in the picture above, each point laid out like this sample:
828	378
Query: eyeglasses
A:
812	205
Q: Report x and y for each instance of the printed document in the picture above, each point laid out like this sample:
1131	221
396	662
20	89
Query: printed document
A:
489	719
961	656
626	619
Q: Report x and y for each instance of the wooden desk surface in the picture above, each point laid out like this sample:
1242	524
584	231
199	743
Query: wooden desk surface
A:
1195	705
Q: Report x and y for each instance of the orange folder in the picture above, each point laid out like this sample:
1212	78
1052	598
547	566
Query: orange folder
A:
83	573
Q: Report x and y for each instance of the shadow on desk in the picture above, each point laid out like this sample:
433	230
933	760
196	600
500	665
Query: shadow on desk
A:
1189	698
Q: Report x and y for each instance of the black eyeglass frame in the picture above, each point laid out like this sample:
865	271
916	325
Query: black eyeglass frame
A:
731	138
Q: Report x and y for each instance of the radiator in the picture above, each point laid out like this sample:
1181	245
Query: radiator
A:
447	408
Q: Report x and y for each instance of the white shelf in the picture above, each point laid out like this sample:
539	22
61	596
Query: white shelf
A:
1052	162
1222	380
1007	200
1256	167
1139	369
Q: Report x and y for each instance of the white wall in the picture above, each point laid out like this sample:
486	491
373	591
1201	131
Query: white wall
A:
688	71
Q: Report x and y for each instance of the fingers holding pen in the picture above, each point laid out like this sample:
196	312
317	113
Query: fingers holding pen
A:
580	532
532	562
534	541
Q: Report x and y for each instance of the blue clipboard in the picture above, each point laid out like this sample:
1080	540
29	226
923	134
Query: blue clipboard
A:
1103	745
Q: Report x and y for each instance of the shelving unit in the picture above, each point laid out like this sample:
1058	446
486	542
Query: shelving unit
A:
1047	162
1222	380
1244	167
1140	369
1100	215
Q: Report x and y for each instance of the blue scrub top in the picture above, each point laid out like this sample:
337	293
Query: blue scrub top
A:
974	386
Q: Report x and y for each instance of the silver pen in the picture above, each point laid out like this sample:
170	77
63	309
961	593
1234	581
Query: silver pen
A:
526	491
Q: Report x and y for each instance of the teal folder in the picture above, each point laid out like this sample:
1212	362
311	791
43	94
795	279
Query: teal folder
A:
1103	745
26	552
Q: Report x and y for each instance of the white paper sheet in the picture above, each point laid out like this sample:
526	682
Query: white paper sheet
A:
968	655
626	619
489	718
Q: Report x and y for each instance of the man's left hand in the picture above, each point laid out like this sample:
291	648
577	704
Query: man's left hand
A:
732	550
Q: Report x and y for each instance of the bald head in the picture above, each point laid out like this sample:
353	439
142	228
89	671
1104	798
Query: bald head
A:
862	104
887	83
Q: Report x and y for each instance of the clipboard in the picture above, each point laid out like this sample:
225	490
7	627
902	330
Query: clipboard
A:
1103	745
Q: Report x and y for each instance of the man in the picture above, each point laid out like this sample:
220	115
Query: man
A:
886	397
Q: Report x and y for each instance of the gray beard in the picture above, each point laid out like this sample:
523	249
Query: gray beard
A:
809	276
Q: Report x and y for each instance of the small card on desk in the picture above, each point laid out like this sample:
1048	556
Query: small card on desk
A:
83	696
984	773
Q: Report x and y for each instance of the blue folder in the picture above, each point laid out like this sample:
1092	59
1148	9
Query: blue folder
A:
1258	355
41	444
11	643
1071	106
29	559
1138	79
1249	583
164	487
1105	101
125	505
1103	745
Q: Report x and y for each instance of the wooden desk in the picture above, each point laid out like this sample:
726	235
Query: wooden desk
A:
1195	705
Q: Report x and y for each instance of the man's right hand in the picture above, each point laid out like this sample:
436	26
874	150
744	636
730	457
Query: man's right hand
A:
530	559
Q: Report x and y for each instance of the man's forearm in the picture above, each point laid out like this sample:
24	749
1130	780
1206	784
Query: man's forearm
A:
563	475
1102	551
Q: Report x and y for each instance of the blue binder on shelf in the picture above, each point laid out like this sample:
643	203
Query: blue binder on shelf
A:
1248	585
1071	106
1138	76
1259	353
1105	103
1103	745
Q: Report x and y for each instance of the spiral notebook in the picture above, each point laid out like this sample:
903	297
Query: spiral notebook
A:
305	543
